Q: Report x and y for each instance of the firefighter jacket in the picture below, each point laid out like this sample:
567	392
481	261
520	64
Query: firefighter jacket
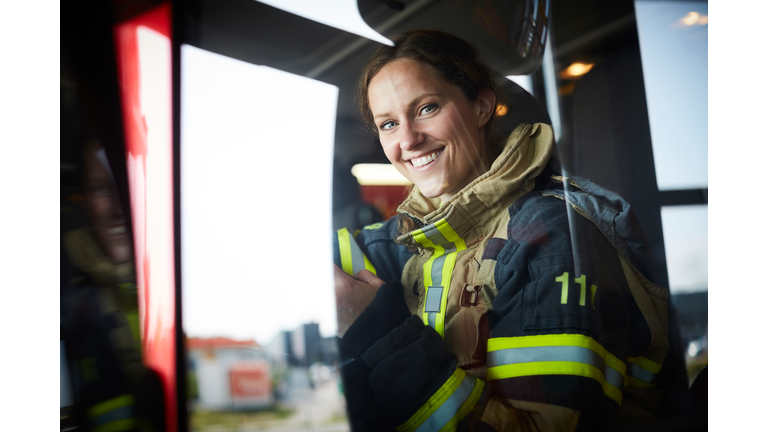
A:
526	302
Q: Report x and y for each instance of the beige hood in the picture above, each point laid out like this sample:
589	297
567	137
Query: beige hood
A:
512	175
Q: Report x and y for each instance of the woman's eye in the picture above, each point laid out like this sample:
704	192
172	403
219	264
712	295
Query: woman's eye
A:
387	125
428	108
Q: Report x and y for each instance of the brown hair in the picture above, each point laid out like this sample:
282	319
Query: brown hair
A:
456	62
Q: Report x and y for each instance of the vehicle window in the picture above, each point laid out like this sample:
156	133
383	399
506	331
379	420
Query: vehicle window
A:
256	147
674	47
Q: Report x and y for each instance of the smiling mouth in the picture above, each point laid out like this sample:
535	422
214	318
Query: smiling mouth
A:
419	162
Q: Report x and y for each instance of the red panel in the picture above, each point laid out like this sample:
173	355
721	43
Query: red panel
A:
143	46
249	381
384	198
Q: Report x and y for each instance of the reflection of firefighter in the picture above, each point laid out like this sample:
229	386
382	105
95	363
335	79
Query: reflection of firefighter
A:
112	389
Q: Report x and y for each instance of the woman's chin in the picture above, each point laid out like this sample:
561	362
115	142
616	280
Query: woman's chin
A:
432	191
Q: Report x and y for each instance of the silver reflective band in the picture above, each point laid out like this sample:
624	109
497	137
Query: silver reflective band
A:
358	262
434	295
613	377
450	407
437	269
434	234
559	354
640	373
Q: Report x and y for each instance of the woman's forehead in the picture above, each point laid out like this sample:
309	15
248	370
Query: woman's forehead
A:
403	80
407	70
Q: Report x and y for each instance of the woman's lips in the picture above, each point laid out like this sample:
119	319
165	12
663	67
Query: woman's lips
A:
421	161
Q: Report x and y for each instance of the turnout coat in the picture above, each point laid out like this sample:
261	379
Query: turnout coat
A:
526	302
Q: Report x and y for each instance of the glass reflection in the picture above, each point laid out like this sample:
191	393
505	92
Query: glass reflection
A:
104	382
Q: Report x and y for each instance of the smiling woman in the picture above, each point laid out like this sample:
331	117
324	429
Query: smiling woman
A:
429	130
506	292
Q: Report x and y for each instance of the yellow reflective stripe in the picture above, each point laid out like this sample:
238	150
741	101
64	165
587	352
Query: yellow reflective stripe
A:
420	237
612	392
646	364
468	406
450	262
554	368
614	362
634	382
557	367
641	372
111	404
454	244
558	340
117	426
350	253
436	401
345	250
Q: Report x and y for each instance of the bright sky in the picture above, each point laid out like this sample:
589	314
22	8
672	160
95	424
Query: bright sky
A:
255	191
674	54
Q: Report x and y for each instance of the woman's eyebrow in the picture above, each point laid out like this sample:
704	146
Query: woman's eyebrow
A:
410	104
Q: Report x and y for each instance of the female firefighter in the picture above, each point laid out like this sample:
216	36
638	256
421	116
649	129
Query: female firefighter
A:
506	295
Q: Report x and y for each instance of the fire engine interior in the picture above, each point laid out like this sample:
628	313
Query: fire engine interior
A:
603	119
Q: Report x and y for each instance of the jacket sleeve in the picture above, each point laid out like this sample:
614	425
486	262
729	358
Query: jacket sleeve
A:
562	329
373	248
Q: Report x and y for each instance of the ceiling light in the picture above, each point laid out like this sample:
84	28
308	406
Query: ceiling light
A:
378	175
694	18
501	110
690	19
576	70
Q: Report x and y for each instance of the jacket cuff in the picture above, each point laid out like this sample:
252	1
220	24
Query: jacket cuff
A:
386	312
407	378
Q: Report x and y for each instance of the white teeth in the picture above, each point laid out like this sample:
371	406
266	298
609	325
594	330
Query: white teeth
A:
117	230
417	162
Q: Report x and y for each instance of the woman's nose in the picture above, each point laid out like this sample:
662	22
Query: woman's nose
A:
410	136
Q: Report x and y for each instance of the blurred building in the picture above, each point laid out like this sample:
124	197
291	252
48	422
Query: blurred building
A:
229	374
302	347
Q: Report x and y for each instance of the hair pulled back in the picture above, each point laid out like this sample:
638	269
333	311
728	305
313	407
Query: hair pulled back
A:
456	62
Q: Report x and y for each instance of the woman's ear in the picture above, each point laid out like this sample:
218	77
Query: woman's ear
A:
486	102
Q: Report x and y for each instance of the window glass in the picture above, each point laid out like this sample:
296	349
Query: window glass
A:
686	247
673	44
256	152
685	243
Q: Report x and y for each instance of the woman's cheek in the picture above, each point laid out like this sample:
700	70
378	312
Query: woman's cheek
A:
390	150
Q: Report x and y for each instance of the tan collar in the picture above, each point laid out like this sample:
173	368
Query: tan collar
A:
512	175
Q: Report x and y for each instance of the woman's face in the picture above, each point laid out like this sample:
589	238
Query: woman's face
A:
429	130
104	209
